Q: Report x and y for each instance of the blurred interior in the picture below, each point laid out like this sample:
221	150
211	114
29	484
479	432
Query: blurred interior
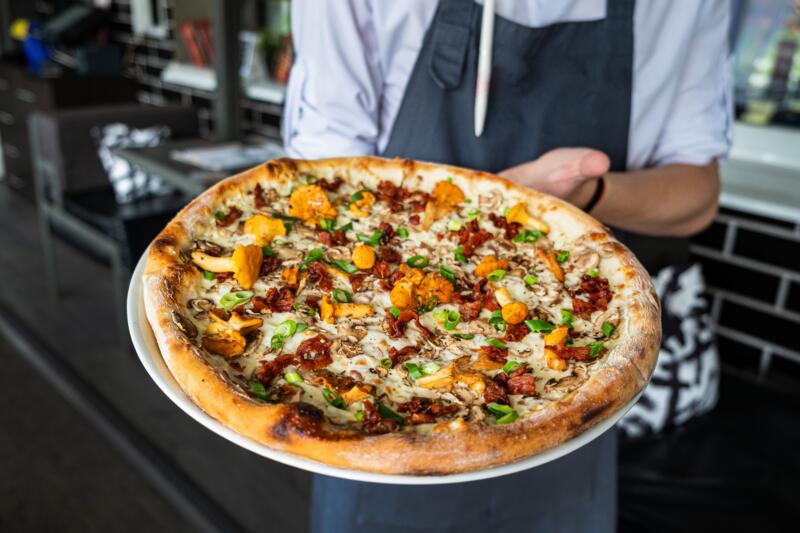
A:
90	444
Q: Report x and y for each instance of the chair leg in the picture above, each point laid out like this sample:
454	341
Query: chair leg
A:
48	257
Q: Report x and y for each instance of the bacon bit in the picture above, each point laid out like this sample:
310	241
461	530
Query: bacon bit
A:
422	418
470	310
373	423
269	265
489	301
313	302
332	238
330	186
516	332
258	304
523	384
570	353
597	290
581	307
314	353
382	269
398	198
388	234
269	370
511	229
330	380
425	411
493	353
414	220
222	276
258	197
415	405
390	255
495	392
318	274
396	327
279	300
230	217
398	356
440	409
358	281
471	236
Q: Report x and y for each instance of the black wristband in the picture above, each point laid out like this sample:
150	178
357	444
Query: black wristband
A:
598	193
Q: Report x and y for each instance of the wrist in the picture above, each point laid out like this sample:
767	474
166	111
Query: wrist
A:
583	194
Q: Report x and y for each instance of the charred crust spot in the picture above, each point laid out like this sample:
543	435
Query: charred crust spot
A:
164	243
594	412
300	418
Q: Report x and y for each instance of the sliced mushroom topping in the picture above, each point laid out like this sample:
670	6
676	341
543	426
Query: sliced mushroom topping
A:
586	260
337	253
253	343
184	324
208	247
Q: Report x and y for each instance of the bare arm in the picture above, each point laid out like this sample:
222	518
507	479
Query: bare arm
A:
672	200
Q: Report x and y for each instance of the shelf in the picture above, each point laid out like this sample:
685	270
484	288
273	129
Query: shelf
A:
205	79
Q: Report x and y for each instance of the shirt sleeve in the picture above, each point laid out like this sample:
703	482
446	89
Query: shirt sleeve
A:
699	126
333	96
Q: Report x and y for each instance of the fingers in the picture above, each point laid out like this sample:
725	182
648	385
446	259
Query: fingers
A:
593	164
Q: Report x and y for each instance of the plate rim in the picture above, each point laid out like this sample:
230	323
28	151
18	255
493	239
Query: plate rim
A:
150	356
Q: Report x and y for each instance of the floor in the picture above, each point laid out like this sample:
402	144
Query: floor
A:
737	469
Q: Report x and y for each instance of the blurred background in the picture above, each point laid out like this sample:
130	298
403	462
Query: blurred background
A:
114	113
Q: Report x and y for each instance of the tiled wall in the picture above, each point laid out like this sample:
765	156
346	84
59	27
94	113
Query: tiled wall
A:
752	267
752	264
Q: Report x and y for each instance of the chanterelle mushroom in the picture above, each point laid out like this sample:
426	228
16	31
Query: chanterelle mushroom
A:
264	228
226	337
245	263
519	214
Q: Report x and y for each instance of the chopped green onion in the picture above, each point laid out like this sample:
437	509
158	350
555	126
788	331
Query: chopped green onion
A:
503	414
311	256
562	256
342	296
359	415
301	327
327	224
448	273
413	370
345	266
386	412
292	377
430	368
402	233
395	311
454	225
528	235
496	275
497	320
258	389
505	211
510	366
208	275
530	280
267	251
593	273
451	320
566	318
278	242
570	341
458	253
608	329
473	214
387	362
358	195
304	309
288	222
219	215
333	398
463	336
276	342
449	179
539	326
595	348
235	298
285	328
418	261
310	178
440	315
346	227
497	344
372	240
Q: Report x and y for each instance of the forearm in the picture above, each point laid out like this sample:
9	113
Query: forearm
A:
673	200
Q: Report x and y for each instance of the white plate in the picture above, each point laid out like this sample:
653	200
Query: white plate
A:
145	343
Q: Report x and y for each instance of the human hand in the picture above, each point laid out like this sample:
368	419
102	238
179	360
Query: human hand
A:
567	173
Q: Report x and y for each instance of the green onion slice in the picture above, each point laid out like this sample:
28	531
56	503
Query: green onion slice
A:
286	328
430	368
448	273
413	370
593	273
608	329
540	326
208	275
458	253
304	309
473	214
301	327
567	318
219	215
595	349
292	377
359	415
346	227
503	414
387	362
528	235
530	280
333	398
451	320
395	311
342	296
311	256
386	412
402	233
358	195
345	266
276	342
562	256
417	261
505	211
267	251
463	336
258	390
496	275
235	298
497	344
497	320
510	366
372	240
327	224
454	225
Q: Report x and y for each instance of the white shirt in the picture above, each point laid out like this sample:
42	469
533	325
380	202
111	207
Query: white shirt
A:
354	59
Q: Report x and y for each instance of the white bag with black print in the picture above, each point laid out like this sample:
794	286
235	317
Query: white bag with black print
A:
685	382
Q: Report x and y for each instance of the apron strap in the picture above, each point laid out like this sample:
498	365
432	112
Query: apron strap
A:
450	42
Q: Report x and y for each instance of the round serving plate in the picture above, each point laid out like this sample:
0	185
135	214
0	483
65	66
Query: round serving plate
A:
146	347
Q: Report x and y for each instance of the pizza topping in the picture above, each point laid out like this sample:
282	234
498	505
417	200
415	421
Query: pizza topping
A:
226	219
333	238
364	257
310	204
264	228
361	206
444	199
547	257
314	353
245	264
519	215
331	309
489	264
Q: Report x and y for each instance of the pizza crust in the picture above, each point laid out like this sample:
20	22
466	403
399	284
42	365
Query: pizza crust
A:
301	430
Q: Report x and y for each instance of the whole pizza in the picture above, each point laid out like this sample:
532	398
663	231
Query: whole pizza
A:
398	317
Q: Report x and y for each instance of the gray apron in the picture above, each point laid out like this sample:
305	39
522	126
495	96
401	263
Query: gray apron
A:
567	84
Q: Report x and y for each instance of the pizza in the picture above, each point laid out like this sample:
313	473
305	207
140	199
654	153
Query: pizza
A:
398	317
